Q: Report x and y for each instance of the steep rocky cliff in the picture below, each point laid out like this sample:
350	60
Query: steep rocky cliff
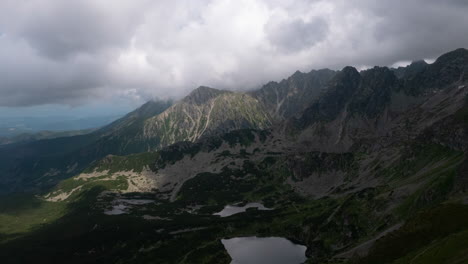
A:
293	95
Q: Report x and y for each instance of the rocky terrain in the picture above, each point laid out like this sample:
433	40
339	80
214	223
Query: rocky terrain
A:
206	112
40	164
360	167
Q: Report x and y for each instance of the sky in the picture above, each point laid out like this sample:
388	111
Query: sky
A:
68	55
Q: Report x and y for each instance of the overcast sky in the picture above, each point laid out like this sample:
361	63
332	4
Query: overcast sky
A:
77	52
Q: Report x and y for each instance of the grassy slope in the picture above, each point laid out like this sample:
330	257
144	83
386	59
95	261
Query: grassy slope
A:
431	236
22	213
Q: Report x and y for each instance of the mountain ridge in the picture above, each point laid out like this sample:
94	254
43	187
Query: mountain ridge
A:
371	161
301	94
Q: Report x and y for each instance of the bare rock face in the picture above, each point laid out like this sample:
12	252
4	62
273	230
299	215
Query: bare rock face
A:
447	69
414	68
205	112
202	95
293	95
375	103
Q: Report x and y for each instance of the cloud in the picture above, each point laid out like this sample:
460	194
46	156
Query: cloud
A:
28	78
296	35
74	52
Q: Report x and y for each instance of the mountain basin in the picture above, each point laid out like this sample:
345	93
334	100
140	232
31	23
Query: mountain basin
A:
232	209
272	250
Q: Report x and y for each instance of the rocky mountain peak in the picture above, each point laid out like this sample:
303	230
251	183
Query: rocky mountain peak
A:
202	94
332	101
417	63
345	81
348	71
297	74
378	77
446	70
291	96
374	91
456	56
410	70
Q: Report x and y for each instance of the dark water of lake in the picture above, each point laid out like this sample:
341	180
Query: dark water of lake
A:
232	209
258	250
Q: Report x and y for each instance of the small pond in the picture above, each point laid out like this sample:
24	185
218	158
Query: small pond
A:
122	206
232	209
116	210
272	250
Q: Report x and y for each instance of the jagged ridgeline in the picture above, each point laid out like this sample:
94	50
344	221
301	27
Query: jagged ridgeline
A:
204	112
360	167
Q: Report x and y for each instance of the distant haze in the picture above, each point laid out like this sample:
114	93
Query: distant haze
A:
125	52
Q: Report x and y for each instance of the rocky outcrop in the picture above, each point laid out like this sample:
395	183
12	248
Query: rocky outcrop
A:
293	95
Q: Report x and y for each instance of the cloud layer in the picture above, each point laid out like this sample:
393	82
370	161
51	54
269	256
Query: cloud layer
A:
73	52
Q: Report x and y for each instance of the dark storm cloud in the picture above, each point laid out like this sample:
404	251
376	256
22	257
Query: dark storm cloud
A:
421	29
29	79
70	29
295	35
70	52
59	29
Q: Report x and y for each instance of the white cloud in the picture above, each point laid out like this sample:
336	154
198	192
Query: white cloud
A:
54	51
402	63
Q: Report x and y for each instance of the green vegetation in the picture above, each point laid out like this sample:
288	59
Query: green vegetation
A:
28	166
317	162
427	235
213	252
232	185
22	213
432	168
244	137
119	183
418	156
323	225
134	162
449	250
183	235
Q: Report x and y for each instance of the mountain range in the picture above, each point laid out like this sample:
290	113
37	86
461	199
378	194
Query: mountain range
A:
359	166
204	112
